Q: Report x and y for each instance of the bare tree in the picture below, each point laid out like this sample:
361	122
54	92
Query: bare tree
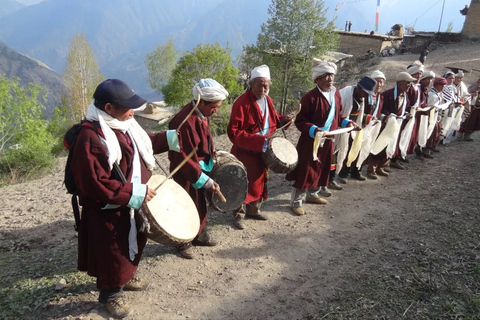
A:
80	78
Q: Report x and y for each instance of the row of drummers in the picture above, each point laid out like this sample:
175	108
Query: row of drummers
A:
342	130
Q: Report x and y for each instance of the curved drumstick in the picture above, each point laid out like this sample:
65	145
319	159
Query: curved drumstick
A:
189	114
293	118
220	195
178	167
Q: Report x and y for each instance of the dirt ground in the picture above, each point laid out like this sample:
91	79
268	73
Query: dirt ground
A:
406	246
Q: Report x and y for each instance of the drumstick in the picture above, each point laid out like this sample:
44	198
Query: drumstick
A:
178	167
293	118
220	195
189	114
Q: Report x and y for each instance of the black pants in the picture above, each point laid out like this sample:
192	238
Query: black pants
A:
107	295
352	170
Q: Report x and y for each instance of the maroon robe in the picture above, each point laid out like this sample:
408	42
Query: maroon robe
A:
309	174
245	122
103	234
374	159
194	132
390	105
412	96
472	122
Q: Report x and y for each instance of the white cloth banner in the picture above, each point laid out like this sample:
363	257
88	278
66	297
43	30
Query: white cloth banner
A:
406	134
423	131
370	134
392	146
385	136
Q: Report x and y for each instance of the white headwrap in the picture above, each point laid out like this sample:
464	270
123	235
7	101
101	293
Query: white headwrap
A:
428	74
260	72
378	74
416	67
321	68
209	90
460	74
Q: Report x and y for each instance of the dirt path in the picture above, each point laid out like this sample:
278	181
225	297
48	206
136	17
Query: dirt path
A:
287	268
403	246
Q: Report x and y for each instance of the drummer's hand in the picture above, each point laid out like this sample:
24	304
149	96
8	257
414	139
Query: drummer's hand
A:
150	194
287	118
354	125
214	187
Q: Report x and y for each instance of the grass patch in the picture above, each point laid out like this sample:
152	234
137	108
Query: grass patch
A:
29	278
440	280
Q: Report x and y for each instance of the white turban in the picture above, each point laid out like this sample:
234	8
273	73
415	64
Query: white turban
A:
209	90
428	74
322	68
260	72
378	74
404	76
416	67
460	74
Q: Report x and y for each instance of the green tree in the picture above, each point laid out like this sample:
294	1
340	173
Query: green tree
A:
204	61
80	78
160	64
25	142
296	32
449	27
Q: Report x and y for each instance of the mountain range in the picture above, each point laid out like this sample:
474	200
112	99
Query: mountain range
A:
122	32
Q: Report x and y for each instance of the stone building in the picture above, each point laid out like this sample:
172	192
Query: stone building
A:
471	27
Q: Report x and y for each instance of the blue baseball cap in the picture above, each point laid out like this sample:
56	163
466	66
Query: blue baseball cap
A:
118	93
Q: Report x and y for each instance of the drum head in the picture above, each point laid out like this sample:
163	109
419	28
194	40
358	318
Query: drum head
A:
173	210
231	176
284	151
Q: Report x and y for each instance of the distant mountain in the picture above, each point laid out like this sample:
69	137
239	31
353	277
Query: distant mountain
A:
9	6
14	64
122	32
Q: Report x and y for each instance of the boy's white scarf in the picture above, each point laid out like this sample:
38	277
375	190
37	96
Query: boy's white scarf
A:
140	137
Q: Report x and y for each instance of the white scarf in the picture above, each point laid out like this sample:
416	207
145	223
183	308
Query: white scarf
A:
139	136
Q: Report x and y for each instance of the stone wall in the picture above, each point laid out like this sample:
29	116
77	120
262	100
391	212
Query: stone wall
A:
359	43
471	27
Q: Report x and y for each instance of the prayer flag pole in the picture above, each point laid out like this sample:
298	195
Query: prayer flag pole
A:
377	15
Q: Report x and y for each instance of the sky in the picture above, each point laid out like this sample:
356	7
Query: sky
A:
422	15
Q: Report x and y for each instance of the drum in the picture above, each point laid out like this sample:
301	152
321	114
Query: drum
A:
172	214
231	176
281	155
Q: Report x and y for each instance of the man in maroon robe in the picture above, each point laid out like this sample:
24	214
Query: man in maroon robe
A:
414	100
195	132
320	112
373	110
252	122
109	244
472	122
395	104
435	98
425	82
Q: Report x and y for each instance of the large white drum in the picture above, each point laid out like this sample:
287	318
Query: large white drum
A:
281	155
172	214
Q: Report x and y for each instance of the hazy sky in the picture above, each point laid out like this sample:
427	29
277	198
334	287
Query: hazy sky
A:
422	15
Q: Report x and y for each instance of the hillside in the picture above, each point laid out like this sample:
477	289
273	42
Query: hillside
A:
122	32
14	64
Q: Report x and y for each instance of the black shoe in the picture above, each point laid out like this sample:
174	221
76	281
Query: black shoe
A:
427	155
359	177
404	160
435	150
